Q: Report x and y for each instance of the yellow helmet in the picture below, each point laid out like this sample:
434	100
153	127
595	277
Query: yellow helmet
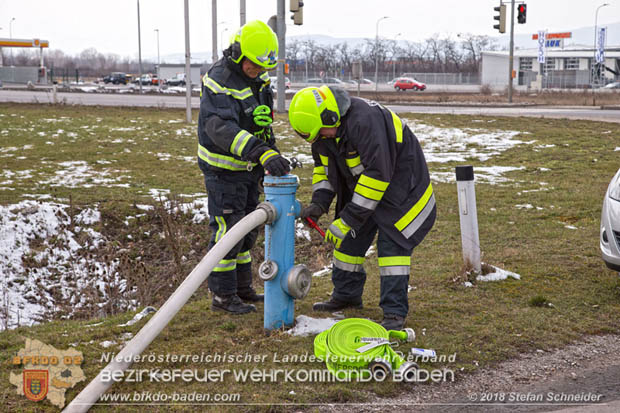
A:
257	42
311	109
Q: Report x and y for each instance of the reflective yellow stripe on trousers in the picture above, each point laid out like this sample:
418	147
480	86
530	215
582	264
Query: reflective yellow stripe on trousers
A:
394	265
415	217
348	262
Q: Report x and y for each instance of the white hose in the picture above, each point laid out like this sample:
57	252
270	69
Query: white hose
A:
161	318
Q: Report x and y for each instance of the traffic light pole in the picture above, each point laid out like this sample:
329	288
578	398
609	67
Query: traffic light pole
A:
512	45
280	87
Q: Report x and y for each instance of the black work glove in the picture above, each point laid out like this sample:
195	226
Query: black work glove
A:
274	163
313	211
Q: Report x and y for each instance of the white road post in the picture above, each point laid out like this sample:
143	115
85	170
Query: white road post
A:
468	216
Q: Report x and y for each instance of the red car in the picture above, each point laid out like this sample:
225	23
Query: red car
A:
405	83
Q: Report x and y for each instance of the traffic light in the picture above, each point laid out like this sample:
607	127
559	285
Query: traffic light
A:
501	17
297	7
522	9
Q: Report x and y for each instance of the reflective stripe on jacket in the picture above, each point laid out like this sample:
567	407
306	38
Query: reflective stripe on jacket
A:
377	169
226	128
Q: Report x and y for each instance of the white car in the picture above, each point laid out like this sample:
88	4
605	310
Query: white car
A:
610	225
274	82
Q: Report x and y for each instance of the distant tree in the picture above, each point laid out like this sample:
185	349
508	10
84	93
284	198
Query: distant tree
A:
415	55
309	50
473	45
293	51
453	58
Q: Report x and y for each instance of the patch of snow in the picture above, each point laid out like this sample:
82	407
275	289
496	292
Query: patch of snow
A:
38	232
147	310
88	216
498	275
107	343
322	272
301	231
492	175
74	174
306	326
453	144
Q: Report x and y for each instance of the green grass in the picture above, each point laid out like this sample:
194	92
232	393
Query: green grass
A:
483	325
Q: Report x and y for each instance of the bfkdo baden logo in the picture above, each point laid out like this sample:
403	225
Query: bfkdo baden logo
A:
47	372
36	384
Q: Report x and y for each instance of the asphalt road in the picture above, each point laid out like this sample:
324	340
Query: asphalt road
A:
178	101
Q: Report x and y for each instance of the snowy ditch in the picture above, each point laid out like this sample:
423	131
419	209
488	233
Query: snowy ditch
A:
46	265
44	252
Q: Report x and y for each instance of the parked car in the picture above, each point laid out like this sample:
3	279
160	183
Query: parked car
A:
177	80
366	82
333	81
610	224
614	85
406	83
325	81
146	79
274	82
115	78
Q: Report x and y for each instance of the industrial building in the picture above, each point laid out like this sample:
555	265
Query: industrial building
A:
563	67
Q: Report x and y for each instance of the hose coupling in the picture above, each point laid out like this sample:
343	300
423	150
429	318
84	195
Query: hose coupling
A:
268	270
270	209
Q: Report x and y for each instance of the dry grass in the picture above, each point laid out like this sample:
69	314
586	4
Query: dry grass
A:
484	325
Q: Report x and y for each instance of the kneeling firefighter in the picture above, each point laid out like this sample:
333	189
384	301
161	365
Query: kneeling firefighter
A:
367	157
236	146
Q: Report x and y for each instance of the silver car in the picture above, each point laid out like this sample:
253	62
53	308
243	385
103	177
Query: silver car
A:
610	224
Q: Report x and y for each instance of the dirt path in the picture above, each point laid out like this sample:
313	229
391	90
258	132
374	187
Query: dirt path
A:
583	377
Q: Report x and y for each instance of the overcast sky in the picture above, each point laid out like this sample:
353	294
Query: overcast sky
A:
110	26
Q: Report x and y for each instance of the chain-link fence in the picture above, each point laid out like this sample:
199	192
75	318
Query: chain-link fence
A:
566	79
19	74
384	77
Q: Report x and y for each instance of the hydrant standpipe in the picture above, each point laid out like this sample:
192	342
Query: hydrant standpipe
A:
291	281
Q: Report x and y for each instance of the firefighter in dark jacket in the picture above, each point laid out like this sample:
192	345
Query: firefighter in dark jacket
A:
236	145
371	161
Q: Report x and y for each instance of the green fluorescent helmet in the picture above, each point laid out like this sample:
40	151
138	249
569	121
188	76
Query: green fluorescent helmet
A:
257	42
311	109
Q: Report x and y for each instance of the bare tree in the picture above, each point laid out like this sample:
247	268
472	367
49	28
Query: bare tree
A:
293	50
474	45
416	56
453	58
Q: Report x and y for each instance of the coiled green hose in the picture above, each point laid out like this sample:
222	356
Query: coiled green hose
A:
339	345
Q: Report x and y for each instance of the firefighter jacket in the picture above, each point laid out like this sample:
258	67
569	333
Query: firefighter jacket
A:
377	169
226	128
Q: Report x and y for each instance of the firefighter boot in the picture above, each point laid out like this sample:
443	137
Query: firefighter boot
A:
245	291
393	322
336	305
231	304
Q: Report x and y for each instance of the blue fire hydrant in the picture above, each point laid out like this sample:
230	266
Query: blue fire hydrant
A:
284	281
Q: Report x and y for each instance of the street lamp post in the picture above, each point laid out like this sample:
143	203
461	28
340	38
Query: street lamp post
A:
393	61
11	37
158	62
139	48
215	57
377	51
222	38
595	29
